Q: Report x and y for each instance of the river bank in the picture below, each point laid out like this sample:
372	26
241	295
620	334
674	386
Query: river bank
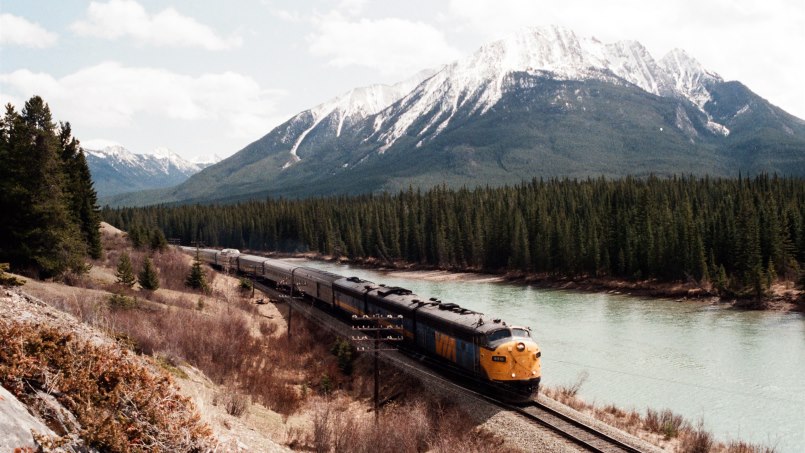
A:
783	296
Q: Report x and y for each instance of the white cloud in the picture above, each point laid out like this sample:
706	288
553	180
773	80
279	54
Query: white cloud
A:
353	7
18	31
111	95
392	46
127	18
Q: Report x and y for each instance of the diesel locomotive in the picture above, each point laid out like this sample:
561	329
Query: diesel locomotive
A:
503	357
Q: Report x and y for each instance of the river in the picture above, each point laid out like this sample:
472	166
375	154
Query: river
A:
741	372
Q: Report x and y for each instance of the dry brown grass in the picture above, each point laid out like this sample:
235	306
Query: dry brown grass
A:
663	428
415	426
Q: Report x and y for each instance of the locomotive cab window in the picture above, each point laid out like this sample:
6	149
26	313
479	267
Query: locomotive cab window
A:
520	333
497	335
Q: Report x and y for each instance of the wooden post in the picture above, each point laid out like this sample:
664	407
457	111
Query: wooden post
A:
375	323
290	312
290	308
377	373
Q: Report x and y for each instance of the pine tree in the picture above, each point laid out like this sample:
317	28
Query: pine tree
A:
125	272
148	277
82	198
196	279
158	241
41	234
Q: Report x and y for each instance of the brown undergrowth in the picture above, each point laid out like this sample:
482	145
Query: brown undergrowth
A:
413	426
116	403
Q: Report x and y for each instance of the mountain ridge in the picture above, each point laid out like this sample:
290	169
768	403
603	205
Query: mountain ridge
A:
569	106
116	170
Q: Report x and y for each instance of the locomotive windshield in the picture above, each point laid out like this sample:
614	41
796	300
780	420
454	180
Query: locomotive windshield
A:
517	332
503	334
498	335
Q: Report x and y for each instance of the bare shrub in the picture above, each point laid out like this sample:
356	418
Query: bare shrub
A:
92	310
81	280
571	390
696	440
744	447
234	402
614	411
415	426
268	329
173	268
223	348
321	428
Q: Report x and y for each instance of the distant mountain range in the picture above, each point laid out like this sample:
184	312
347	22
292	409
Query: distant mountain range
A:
116	170
543	102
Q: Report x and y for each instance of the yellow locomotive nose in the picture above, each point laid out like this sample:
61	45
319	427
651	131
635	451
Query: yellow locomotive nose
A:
515	360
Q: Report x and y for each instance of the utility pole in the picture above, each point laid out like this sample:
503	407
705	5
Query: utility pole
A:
391	327
290	309
254	270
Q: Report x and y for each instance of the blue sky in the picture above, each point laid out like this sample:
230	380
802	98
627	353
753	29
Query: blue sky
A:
206	78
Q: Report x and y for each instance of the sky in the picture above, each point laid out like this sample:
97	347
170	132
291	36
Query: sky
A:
205	78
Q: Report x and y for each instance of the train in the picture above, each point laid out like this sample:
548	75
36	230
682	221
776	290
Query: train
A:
504	358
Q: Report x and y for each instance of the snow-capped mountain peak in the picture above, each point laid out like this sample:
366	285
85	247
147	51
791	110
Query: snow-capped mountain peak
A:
115	169
553	51
161	160
688	76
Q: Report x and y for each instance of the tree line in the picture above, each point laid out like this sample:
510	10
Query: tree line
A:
50	218
738	234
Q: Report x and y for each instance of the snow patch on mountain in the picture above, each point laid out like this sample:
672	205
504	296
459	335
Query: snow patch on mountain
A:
354	105
160	161
480	80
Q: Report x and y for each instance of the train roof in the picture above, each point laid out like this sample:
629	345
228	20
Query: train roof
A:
324	276
468	321
281	265
355	284
450	313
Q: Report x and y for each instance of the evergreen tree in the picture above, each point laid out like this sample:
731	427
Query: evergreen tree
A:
148	277
82	197
196	279
157	241
125	272
40	233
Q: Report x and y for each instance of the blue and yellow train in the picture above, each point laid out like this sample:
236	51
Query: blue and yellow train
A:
483	348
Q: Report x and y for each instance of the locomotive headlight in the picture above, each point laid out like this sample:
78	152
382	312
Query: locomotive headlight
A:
521	346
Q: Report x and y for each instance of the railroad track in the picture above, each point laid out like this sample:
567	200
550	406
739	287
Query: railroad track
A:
581	434
577	432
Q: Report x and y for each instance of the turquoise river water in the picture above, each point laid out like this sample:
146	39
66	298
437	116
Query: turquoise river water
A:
742	373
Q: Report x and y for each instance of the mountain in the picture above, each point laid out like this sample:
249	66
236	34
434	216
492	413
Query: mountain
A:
116	170
542	102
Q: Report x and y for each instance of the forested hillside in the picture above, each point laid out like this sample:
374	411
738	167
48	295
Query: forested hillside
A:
49	206
740	234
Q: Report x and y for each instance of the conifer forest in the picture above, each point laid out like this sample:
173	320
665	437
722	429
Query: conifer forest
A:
738	234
